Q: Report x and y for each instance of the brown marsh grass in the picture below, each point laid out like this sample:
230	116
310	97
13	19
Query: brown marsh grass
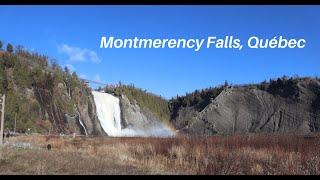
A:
237	154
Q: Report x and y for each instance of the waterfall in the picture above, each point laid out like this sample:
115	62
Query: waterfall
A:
109	115
82	125
108	111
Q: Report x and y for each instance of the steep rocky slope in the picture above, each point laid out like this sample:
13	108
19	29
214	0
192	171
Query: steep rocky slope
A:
251	110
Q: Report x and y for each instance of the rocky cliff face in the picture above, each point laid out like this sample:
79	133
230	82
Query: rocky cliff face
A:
45	98
251	110
69	111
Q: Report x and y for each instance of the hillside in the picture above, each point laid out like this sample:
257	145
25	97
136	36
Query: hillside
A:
284	105
43	97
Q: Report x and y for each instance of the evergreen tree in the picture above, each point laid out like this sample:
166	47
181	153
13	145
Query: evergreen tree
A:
10	48
226	84
66	70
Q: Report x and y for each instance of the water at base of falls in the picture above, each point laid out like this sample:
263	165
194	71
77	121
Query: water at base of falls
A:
109	115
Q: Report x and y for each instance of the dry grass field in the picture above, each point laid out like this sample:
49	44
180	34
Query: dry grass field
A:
238	154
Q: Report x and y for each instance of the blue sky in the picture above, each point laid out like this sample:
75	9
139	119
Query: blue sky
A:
72	34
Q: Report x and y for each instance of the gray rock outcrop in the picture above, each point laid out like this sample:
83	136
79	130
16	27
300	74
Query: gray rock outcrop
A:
250	110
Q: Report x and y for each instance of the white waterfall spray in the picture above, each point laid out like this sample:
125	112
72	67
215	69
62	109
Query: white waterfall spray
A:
109	115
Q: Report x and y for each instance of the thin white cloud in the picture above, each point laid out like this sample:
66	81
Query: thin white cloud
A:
77	54
97	78
83	76
94	57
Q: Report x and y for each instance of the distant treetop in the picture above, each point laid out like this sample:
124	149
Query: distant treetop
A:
9	48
